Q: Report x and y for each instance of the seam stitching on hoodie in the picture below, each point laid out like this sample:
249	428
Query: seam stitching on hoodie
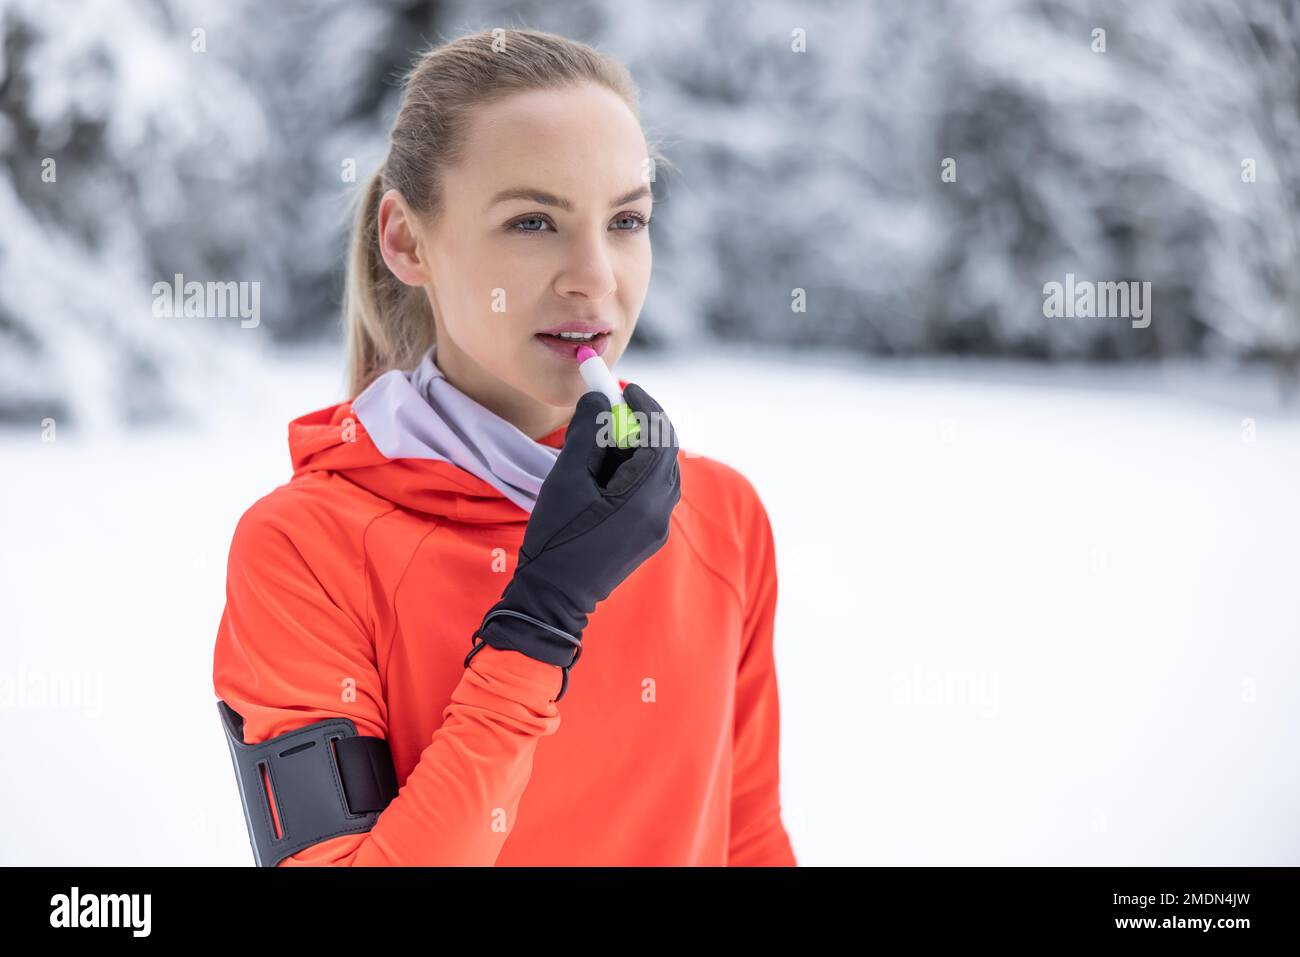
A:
686	536
365	556
410	560
365	564
365	585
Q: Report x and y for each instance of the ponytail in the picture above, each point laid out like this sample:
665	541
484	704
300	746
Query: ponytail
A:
388	323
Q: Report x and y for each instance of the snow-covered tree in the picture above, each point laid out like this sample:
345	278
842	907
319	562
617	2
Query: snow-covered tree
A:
886	178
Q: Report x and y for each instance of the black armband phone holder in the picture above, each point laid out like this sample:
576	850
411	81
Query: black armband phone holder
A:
322	780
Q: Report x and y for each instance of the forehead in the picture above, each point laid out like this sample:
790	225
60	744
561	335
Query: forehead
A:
581	142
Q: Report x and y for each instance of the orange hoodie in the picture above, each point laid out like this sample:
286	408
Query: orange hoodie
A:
354	591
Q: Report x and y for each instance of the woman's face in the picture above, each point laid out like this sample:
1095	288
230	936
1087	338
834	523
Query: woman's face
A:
542	229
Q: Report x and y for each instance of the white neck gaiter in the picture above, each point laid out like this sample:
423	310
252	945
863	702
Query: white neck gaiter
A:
420	415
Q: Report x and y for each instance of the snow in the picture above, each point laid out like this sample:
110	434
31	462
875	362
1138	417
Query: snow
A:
1025	616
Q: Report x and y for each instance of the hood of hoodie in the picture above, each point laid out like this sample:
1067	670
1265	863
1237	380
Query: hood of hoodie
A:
333	439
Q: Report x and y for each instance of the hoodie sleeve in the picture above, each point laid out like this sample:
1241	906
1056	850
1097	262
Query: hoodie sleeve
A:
288	654
758	838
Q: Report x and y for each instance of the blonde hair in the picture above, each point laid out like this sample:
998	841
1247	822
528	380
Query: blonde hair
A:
389	324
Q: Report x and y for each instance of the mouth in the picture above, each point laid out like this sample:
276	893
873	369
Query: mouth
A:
568	346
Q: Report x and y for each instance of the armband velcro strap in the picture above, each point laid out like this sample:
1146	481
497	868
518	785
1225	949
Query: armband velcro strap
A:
308	785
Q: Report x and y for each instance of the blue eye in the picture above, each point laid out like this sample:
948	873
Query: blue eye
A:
641	221
518	225
529	219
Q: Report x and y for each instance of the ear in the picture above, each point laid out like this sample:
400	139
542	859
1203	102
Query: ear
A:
399	240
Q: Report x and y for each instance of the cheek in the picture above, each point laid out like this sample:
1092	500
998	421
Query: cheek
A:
638	261
509	283
634	281
484	297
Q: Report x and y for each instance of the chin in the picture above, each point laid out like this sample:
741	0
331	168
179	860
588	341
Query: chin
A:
567	396
554	389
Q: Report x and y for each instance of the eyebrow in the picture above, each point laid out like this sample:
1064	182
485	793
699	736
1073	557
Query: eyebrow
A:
550	199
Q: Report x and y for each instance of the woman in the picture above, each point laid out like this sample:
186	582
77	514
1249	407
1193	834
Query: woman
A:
431	572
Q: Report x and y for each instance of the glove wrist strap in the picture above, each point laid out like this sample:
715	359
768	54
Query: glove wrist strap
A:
571	639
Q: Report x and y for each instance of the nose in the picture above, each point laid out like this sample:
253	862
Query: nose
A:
588	271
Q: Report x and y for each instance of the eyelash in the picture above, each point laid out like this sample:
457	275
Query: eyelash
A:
643	220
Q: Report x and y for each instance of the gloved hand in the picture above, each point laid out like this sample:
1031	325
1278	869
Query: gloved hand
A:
599	514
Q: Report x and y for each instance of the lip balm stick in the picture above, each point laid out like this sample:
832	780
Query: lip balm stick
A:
598	378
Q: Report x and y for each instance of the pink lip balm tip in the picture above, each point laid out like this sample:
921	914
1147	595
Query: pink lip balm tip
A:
585	353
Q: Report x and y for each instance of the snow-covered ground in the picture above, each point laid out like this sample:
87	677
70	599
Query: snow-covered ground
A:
1042	617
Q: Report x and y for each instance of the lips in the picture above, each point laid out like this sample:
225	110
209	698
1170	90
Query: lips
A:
569	347
578	325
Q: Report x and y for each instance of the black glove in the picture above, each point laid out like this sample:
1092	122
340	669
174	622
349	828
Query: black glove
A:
600	513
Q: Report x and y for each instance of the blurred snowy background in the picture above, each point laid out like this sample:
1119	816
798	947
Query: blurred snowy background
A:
1061	552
